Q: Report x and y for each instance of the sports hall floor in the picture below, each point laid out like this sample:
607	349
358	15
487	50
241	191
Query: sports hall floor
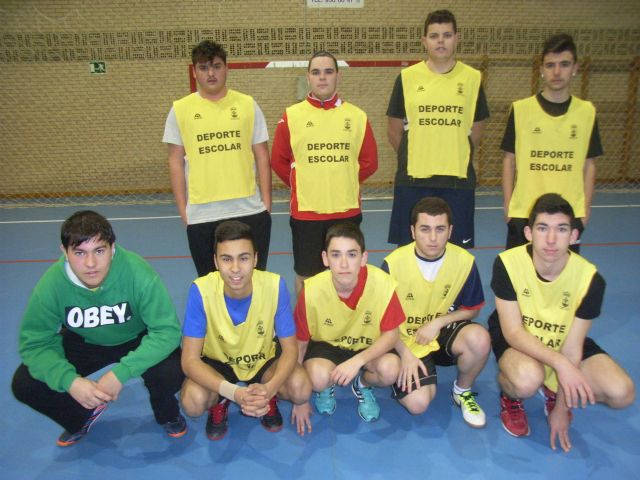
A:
127	444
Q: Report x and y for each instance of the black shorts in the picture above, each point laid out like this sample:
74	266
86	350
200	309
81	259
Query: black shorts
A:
499	343
327	351
229	375
201	239
515	233
430	379
308	242
461	201
444	357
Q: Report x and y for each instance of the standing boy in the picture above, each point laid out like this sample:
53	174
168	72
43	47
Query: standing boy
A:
436	116
217	139
550	144
323	150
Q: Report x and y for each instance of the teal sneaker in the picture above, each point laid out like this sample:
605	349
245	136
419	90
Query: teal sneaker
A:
368	408
326	401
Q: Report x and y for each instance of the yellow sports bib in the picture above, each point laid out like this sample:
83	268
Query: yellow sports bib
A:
248	346
548	308
326	145
331	321
422	300
550	154
217	139
440	109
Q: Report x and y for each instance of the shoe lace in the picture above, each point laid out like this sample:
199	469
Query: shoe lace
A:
219	411
469	400
273	407
172	424
549	399
515	409
550	403
366	394
327	393
87	425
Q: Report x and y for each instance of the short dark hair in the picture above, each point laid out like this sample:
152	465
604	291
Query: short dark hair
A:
344	229
433	206
206	51
233	230
85	225
323	53
440	16
552	203
561	42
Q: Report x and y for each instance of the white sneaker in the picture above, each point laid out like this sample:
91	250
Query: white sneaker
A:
471	411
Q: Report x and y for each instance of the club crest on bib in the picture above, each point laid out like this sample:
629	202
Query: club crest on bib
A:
260	328
564	304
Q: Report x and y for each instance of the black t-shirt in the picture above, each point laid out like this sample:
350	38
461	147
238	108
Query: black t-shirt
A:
396	110
589	308
555	110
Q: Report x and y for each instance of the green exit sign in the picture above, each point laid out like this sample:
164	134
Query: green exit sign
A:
98	68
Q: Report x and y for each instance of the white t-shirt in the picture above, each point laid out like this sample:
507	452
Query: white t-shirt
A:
223	209
430	268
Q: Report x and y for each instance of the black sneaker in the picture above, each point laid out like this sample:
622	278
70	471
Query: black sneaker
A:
177	428
217	420
272	421
66	439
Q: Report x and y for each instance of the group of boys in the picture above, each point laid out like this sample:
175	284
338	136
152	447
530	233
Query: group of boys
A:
353	323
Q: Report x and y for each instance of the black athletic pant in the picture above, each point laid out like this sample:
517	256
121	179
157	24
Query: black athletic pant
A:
200	236
162	381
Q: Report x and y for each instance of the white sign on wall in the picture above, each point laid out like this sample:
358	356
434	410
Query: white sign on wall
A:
335	3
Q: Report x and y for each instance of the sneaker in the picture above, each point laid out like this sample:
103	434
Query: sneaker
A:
513	416
177	428
550	401
368	408
66	439
217	420
326	401
471	411
272	421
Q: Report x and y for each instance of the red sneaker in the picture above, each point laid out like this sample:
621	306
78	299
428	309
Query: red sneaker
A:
217	420
550	401
272	421
513	416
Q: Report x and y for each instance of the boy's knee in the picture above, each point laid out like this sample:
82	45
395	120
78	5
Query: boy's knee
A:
621	394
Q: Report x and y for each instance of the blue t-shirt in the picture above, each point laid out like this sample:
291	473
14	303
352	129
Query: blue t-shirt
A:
195	319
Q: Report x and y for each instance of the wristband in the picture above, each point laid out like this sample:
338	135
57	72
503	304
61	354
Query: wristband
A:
228	390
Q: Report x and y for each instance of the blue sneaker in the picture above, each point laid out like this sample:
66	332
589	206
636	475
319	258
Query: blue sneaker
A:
176	428
66	439
368	408
326	401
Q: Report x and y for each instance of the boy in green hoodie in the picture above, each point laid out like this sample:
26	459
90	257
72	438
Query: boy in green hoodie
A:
98	305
